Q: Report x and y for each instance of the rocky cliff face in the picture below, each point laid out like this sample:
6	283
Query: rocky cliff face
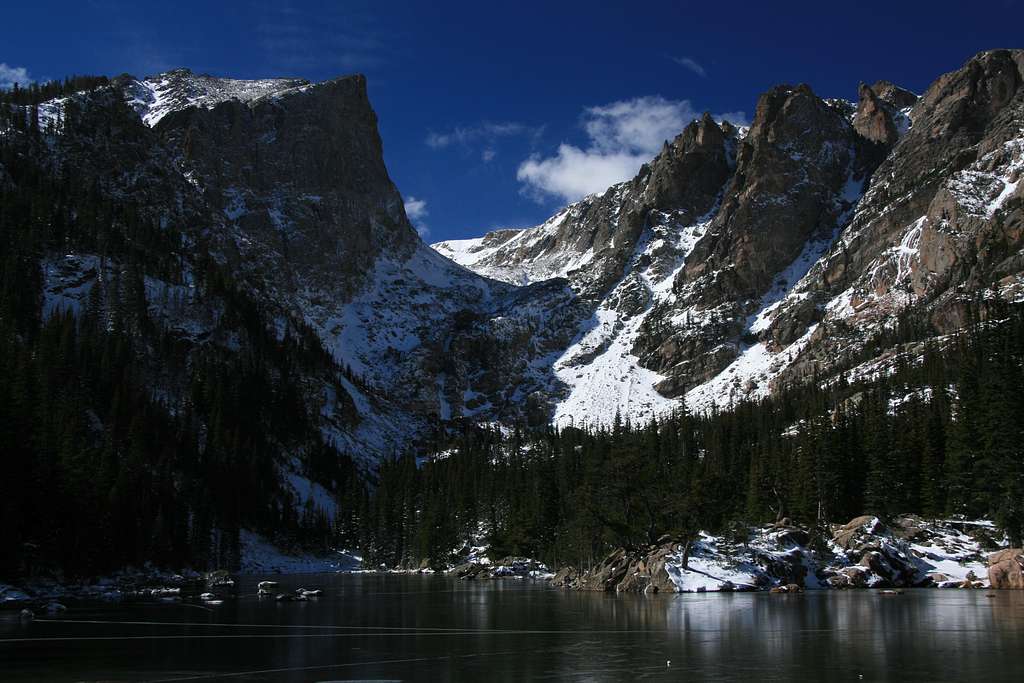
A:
282	184
299	172
938	225
307	214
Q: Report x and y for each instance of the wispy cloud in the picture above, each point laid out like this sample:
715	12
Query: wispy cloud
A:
691	64
622	137
467	135
481	138
416	210
9	75
335	38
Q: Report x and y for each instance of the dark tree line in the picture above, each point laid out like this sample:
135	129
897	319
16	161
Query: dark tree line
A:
940	435
37	93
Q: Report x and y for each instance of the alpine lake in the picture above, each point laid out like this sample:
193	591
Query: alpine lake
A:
415	627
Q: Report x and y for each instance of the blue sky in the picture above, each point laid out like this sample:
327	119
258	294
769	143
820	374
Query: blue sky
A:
496	114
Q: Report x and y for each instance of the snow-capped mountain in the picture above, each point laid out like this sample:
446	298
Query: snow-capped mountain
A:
735	261
740	260
282	184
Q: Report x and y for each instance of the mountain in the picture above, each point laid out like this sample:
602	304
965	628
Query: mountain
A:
740	260
245	323
237	251
736	260
282	183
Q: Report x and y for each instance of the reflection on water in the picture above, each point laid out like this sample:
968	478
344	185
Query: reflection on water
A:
394	627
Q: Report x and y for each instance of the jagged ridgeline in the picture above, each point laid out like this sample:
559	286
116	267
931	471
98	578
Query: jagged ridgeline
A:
215	315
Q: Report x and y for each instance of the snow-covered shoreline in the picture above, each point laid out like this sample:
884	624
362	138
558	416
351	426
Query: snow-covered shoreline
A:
864	553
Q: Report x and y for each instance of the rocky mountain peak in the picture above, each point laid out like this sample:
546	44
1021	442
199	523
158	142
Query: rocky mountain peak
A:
892	94
791	167
874	118
689	173
782	111
964	100
928	226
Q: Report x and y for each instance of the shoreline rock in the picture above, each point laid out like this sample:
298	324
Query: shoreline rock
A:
909	552
506	567
1006	569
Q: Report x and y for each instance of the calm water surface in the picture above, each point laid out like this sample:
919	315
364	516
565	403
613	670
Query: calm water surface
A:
430	628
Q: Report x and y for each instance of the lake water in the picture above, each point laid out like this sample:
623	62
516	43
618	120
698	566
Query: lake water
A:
431	628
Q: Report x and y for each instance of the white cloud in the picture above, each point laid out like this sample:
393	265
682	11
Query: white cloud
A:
574	173
622	137
692	65
416	210
638	125
9	75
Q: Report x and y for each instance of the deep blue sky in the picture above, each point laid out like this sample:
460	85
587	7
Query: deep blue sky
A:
467	93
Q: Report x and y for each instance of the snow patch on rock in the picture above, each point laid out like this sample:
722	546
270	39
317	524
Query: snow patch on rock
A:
155	97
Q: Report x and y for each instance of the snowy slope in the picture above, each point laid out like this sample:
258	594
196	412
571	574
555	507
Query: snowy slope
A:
518	256
157	96
386	333
600	368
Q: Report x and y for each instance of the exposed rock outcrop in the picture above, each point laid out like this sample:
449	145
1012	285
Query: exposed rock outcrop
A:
874	120
625	571
1006	569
